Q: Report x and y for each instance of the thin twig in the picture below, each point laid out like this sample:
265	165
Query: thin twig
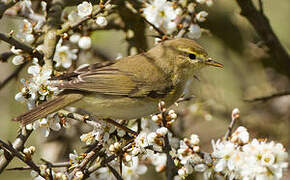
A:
115	173
92	120
52	165
14	152
170	166
158	30
110	121
124	148
229	131
269	97
235	117
18	144
11	76
68	26
86	160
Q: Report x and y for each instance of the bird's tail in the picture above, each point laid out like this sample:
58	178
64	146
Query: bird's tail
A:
47	107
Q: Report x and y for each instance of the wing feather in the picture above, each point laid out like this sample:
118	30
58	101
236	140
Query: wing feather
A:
110	79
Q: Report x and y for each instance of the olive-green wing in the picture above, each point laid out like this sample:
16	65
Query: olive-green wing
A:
115	80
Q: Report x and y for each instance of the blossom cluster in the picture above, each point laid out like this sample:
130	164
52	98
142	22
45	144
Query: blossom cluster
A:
239	158
235	158
37	88
172	16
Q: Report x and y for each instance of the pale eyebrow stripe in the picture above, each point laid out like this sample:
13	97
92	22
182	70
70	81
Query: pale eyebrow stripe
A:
186	50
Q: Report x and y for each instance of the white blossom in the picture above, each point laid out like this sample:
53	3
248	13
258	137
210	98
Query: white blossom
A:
101	21
26	30
135	170
64	55
37	87
17	60
191	7
241	135
85	42
162	131
194	139
75	38
85	9
159	161
162	14
47	124
201	16
254	160
235	113
16	51
155	118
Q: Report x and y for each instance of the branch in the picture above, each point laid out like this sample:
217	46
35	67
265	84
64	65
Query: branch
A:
18	145
14	152
91	120
170	166
266	98
261	24
86	160
124	148
11	76
52	165
159	31
235	117
137	25
20	45
68	26
115	172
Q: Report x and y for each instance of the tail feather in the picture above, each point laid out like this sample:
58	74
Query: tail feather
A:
48	107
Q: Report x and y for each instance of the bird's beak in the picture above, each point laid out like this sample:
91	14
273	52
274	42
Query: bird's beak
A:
211	62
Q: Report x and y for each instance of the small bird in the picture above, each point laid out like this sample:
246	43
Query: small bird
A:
130	87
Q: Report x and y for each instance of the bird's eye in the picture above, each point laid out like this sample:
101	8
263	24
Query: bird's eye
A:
191	56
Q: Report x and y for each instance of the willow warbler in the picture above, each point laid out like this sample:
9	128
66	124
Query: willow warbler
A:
131	87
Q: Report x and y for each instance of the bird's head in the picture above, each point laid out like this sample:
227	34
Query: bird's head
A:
188	54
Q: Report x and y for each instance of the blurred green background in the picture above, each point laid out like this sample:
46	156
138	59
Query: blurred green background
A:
230	40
